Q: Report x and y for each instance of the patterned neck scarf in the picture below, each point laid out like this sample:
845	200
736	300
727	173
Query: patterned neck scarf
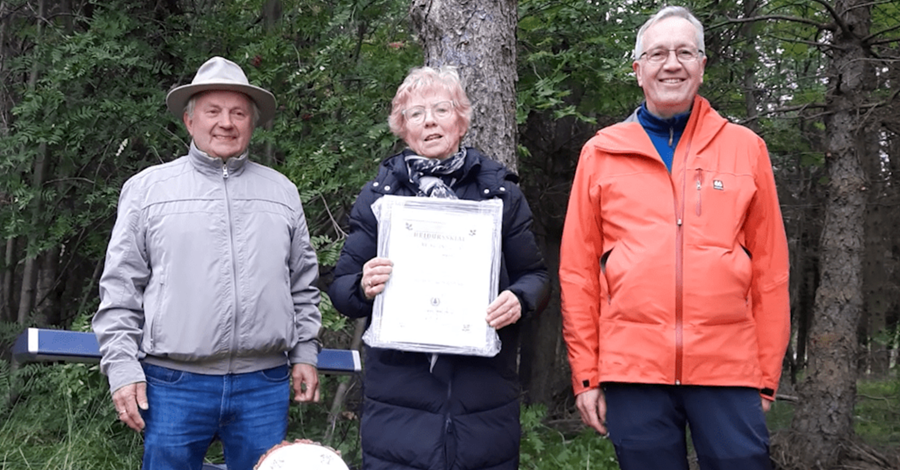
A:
429	173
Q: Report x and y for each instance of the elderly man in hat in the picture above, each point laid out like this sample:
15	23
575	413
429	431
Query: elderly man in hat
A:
208	300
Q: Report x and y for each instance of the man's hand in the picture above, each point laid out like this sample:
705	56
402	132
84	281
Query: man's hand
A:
592	406
305	380
127	400
766	404
504	310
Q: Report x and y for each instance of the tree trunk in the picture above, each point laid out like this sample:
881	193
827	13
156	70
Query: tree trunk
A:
893	317
823	420
750	62
478	37
5	101
29	274
878	298
9	269
6	275
46	309
552	144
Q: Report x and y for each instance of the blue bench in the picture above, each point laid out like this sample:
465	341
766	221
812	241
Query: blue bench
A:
45	345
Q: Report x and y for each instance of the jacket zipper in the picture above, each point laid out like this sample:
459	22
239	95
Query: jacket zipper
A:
679	271
234	279
449	446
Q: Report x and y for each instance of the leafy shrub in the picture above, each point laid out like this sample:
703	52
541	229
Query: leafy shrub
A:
62	418
544	448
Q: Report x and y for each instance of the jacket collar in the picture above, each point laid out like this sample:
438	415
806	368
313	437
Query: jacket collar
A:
702	127
205	164
662	126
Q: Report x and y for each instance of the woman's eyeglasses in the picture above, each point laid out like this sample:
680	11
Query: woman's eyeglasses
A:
441	110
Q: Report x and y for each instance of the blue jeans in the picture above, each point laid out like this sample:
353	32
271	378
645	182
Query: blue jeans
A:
647	424
247	412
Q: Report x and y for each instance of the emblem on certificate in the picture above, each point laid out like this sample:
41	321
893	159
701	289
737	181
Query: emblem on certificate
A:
446	256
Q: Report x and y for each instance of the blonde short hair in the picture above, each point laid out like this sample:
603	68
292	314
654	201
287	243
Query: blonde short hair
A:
422	79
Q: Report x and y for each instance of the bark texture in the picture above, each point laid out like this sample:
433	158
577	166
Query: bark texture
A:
823	422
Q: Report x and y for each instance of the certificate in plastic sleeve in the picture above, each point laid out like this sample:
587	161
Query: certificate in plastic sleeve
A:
446	263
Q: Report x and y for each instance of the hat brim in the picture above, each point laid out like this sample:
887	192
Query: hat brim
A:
178	98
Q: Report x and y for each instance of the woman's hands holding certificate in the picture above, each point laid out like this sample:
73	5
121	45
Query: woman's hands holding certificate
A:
504	310
376	273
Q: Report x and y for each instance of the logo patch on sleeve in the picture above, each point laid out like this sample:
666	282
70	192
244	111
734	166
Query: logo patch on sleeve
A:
717	184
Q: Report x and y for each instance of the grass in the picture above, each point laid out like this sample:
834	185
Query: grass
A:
63	419
51	426
877	413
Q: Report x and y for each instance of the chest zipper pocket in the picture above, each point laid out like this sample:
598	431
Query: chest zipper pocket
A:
699	180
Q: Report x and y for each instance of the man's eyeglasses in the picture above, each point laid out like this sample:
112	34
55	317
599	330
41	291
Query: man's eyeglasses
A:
683	54
441	110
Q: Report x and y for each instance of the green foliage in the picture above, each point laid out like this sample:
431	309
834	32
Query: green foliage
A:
335	102
5	386
544	448
81	127
309	421
63	419
574	59
331	319
95	112
768	64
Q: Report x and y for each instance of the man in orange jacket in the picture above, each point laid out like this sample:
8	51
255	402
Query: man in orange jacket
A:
674	271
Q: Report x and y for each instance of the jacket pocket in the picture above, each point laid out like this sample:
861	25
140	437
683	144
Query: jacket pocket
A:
154	306
720	201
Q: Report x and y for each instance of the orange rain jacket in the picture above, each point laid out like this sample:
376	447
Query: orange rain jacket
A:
681	278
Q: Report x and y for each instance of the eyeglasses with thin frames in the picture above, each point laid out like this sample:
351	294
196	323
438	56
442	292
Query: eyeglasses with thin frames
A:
440	110
660	54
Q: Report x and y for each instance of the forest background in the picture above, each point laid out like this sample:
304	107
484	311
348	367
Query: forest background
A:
82	109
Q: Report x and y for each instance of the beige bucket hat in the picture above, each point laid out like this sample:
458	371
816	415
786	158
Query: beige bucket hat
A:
221	74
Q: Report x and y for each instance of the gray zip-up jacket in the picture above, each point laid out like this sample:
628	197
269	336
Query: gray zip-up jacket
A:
209	270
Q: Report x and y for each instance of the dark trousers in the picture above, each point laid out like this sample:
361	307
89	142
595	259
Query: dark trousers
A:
647	424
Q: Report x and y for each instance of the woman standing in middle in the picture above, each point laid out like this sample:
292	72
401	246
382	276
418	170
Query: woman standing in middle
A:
455	412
